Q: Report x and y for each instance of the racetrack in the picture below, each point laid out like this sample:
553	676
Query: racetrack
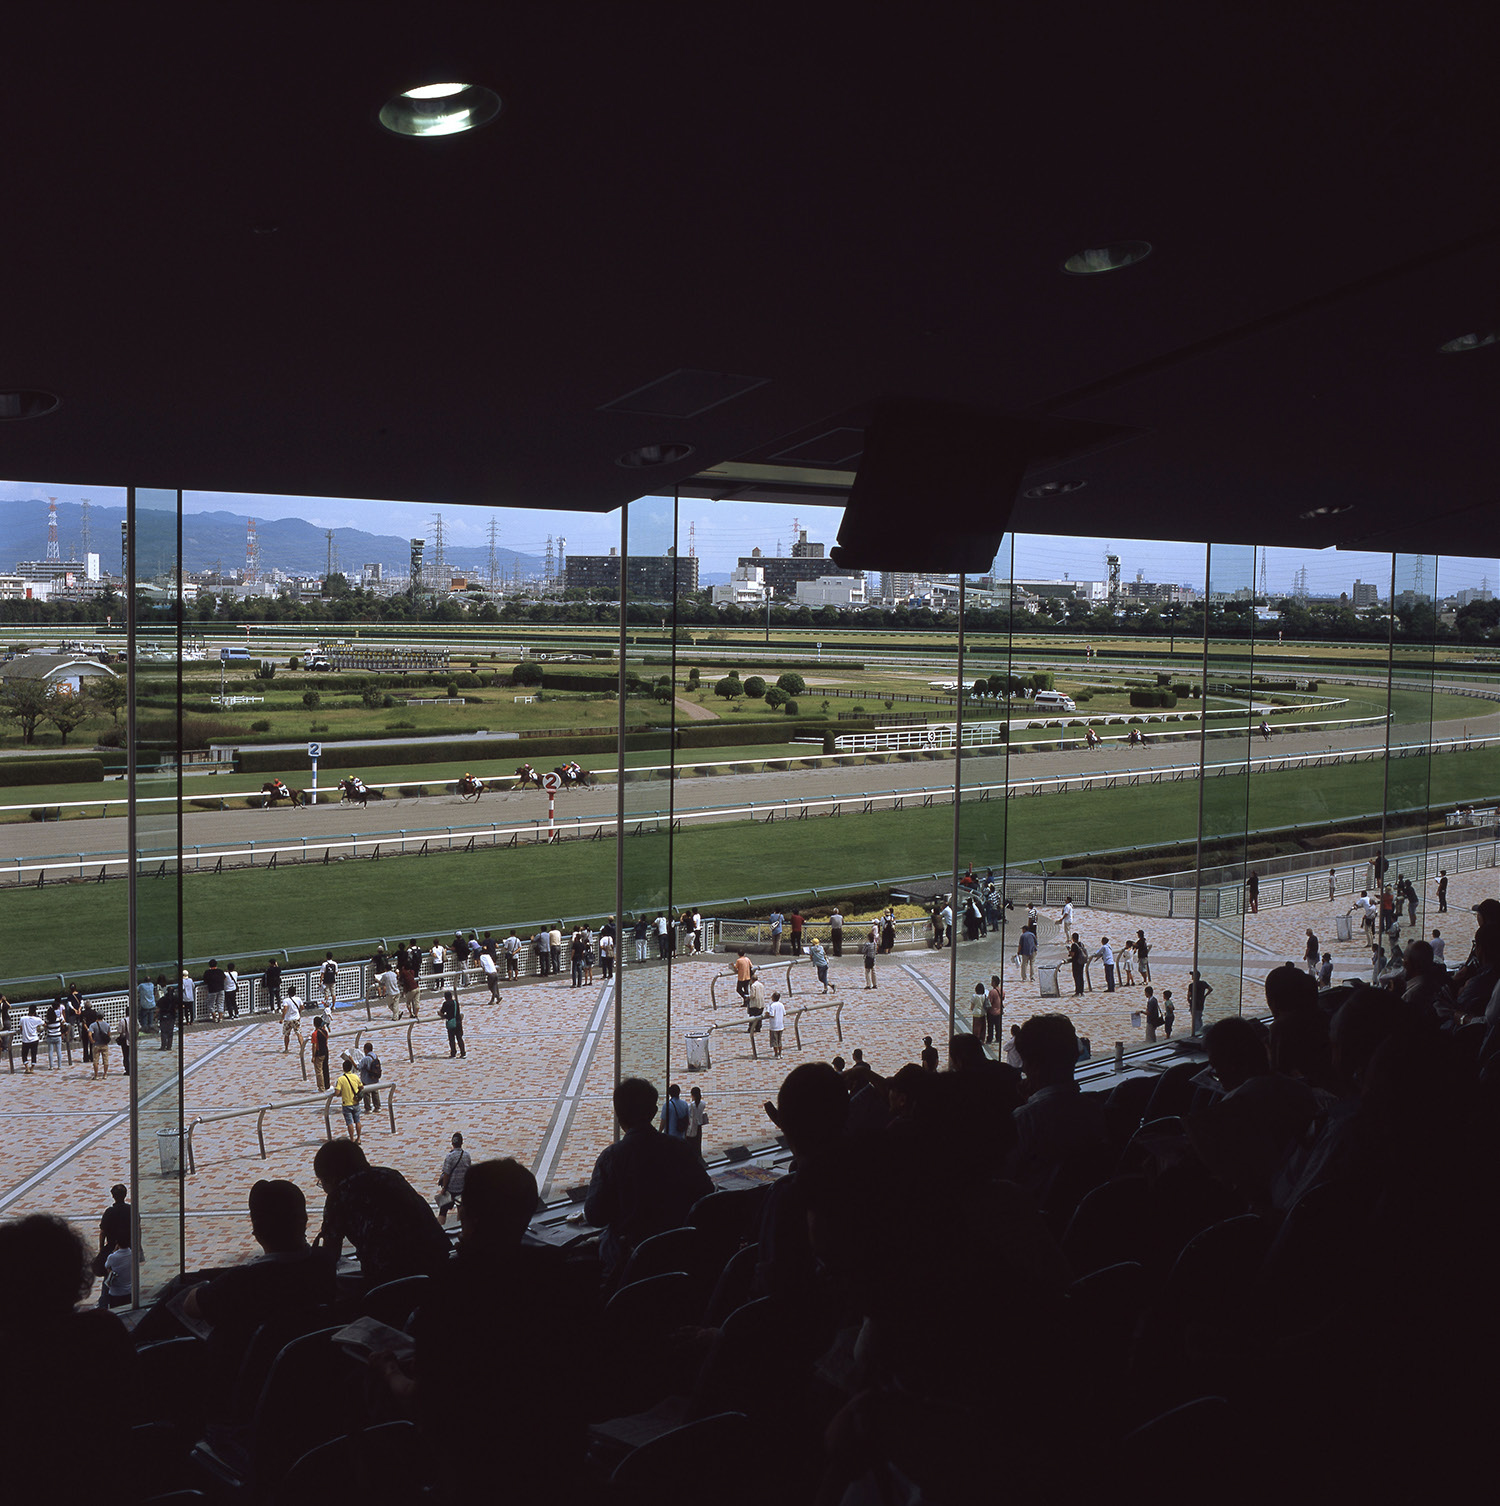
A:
218	830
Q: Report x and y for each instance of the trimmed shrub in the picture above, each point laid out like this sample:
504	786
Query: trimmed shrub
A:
791	708
526	673
828	743
793	684
755	687
15	771
263	725
1154	697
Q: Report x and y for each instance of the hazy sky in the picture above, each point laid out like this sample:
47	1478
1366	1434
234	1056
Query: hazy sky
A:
726	530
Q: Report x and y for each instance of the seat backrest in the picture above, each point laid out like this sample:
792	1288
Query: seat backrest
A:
177	1368
1218	1259
313	1393
672	1250
733	1287
732	1217
385	1457
709	1454
260	1354
1173	1093
1109	1226
1125	1106
394	1302
650	1308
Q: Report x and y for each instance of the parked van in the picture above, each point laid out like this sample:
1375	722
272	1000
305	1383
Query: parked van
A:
1053	700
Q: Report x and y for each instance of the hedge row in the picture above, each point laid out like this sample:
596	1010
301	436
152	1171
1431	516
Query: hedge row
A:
689	657
730	734
51	771
1155	695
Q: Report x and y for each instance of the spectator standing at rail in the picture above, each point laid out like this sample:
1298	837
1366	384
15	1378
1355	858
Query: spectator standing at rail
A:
867	951
796	920
607	950
270	982
1252	892
491	975
777	921
145	1003
319	1052
72	1008
640	933
214	985
452	1015
946	917
31	1029
231	992
369	1069
437	960
1442	891
542	942
1333	879
166	1009
291	1019
452	1175
556	938
512	946
576	948
53	1023
663	937
836	932
588	957
328	980
1311	952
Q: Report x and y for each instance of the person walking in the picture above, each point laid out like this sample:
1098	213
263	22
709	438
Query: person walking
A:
836	932
1142	952
1310	954
410	986
819	959
1168	1012
291	1019
1252	892
319	1052
350	1090
1078	960
697	1118
1026	949
867	951
1153	1016
1442	891
452	1175
994	1011
1198	992
452	1016
328	981
369	1069
776	1019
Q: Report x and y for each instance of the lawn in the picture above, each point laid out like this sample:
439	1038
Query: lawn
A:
252	910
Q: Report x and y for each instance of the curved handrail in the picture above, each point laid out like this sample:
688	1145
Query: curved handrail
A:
260	1110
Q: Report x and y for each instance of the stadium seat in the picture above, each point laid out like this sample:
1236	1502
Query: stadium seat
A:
1319	1240
1110	1226
674	1250
177	1368
712	1458
314	1391
1468	1039
394	1302
387	1456
748	1367
1102	1311
1125	1106
260	1354
1174	1092
635	1351
730	1218
732	1290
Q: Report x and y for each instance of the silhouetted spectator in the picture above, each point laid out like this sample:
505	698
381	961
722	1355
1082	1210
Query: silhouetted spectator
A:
1057	1123
390	1224
644	1183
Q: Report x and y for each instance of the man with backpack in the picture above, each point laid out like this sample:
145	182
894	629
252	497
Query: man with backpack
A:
328	980
369	1072
674	1114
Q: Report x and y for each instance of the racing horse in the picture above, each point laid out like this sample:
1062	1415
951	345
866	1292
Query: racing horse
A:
354	791
572	775
275	790
470	788
527	775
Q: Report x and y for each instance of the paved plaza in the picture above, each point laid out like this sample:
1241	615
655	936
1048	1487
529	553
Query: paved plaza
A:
537	1078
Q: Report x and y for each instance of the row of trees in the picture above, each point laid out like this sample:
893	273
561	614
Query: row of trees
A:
28	702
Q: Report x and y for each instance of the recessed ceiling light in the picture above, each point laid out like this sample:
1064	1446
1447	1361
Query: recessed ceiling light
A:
1106	258
654	454
1053	489
440	110
1475	341
1314	513
26	404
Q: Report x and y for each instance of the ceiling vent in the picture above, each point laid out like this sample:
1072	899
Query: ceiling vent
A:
684	393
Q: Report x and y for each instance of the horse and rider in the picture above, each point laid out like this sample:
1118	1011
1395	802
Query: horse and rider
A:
1137	738
1265	730
470	788
354	791
573	774
527	775
275	790
1091	739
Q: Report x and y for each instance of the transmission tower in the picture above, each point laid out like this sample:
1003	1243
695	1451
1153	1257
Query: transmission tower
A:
1265	594
1112	573
83	527
252	553
333	553
1419	577
492	562
439	551
692	541
547	573
52	553
562	562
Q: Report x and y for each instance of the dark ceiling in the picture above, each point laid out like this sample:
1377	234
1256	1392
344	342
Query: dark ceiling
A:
235	280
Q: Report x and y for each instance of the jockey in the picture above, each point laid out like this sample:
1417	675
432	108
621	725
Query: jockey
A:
278	786
356	784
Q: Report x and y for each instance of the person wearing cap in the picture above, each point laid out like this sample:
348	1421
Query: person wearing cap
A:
350	1089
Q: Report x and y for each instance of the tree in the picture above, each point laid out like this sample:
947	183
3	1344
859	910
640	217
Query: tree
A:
792	683
311	699
790	708
729	687
371	697
755	687
65	709
24	701
336	584
109	693
528	672
775	697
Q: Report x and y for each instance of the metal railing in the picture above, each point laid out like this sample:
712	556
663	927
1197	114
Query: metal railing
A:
260	1110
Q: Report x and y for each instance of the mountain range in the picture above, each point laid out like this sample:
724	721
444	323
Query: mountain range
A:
211	539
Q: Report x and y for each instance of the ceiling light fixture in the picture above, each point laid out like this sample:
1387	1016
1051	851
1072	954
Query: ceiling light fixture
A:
653	454
1313	514
1052	489
1476	341
16	405
1106	258
440	110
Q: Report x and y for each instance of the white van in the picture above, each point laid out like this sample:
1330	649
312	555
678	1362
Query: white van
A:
1053	700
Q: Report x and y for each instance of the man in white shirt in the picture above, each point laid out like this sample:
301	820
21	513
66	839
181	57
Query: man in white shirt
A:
662	929
777	1014
1437	946
491	975
1067	916
946	918
439	957
512	946
1367	913
291	1020
1106	955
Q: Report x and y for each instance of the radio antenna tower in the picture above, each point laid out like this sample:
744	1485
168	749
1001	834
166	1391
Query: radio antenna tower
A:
1265	594
332	553
52	553
492	562
692	541
439	553
547	572
83	527
252	553
562	562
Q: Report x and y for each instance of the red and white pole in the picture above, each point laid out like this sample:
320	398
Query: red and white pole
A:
551	811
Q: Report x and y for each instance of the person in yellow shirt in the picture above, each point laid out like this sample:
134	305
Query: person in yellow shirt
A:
350	1089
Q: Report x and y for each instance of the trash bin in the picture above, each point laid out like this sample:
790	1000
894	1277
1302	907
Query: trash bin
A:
1345	926
697	1051
169	1148
1046	983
